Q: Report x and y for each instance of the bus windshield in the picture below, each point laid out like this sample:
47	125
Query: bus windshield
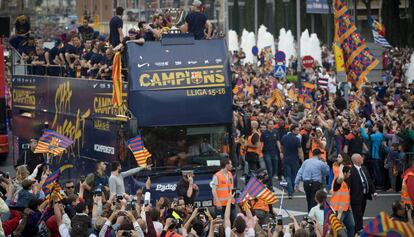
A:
186	147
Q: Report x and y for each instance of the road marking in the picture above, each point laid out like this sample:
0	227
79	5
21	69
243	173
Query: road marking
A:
279	192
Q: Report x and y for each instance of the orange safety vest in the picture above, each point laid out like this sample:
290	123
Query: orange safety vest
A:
258	204
341	199
405	195
314	145
224	187
250	148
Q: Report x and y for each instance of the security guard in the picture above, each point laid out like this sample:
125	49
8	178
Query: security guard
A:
254	147
341	199
222	186
407	189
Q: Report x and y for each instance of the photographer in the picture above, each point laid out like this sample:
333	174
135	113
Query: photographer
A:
317	141
29	158
187	188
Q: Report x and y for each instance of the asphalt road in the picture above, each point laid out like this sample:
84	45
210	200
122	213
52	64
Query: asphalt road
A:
296	206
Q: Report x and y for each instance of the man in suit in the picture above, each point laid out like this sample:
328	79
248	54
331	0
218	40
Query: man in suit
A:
361	188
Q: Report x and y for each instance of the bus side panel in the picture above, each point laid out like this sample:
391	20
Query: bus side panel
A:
79	109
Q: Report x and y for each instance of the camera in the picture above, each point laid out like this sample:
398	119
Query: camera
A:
283	184
26	146
98	191
126	234
119	197
279	219
202	209
174	223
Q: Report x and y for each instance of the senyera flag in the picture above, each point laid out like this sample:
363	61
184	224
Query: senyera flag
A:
141	154
117	80
52	142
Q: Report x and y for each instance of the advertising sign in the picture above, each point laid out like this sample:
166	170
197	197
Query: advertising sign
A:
317	6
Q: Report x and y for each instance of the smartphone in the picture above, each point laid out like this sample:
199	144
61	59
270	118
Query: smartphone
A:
279	220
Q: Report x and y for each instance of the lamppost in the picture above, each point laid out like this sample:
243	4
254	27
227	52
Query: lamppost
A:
286	5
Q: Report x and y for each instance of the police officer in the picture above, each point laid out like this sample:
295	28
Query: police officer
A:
311	173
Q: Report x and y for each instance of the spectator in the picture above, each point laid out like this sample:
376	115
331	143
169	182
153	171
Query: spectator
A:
187	188
407	190
81	221
317	212
401	212
291	153
376	140
196	23
69	188
116	36
270	150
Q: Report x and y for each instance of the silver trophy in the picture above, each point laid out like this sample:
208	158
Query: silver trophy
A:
174	16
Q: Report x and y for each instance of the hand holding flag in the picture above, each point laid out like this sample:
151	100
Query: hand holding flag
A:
52	142
141	154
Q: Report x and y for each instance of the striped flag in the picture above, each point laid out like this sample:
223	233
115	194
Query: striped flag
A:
238	88
276	99
52	142
331	221
358	59
255	189
54	178
141	154
382	225
378	31
117	80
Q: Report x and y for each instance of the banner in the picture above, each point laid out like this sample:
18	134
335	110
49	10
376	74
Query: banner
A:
170	86
81	110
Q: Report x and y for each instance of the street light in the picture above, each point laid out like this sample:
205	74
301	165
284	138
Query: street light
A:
286	5
298	26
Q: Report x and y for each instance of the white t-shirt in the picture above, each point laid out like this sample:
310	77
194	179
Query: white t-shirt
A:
318	214
247	233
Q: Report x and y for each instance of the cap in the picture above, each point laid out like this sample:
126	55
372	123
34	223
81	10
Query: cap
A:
197	3
316	152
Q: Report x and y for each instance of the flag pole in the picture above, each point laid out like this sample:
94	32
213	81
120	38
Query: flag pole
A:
281	202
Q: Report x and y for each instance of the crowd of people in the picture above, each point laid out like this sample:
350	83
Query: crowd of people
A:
82	52
334	138
321	132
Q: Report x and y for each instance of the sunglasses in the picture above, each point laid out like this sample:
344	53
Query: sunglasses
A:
70	187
